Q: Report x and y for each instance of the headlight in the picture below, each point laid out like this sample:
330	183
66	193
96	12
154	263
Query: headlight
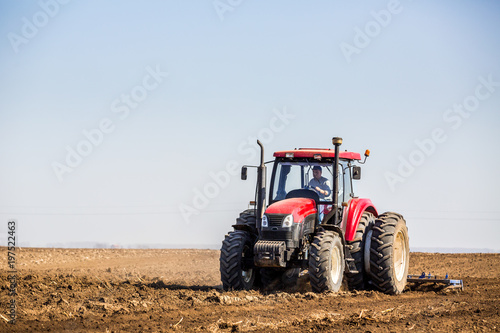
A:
287	221
265	223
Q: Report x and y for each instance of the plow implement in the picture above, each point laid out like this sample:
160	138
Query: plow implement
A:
449	283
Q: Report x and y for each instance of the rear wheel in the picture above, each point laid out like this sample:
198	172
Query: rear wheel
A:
358	281
236	261
326	262
389	253
247	218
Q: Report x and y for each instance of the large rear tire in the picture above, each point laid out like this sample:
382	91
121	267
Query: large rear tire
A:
326	262
236	261
359	281
247	218
389	253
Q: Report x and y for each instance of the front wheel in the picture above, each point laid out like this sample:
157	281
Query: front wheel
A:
326	262
236	261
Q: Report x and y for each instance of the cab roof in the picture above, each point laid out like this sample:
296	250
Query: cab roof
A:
325	153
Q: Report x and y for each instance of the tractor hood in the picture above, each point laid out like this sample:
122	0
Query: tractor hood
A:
298	207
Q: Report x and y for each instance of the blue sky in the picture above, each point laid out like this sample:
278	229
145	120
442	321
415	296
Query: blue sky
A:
184	88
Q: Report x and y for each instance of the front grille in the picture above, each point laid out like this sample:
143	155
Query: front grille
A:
275	220
276	235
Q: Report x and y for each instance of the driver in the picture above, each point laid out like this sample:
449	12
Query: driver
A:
321	184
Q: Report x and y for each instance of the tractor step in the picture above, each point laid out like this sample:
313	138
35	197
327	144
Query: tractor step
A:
351	266
420	279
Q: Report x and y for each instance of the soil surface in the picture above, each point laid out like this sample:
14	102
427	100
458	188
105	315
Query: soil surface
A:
118	290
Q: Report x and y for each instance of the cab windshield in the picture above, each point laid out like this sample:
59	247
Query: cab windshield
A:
312	175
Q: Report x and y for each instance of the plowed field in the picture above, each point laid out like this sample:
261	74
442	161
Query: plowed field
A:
118	290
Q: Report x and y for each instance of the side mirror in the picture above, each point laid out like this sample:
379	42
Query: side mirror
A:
244	173
356	172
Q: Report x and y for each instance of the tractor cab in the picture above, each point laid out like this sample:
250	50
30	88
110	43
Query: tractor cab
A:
306	188
309	173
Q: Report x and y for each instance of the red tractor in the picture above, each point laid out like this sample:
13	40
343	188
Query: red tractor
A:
314	223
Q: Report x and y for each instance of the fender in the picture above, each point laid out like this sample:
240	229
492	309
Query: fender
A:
352	214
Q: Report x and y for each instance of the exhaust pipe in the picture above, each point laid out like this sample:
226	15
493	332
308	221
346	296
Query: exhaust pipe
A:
336	142
261	186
